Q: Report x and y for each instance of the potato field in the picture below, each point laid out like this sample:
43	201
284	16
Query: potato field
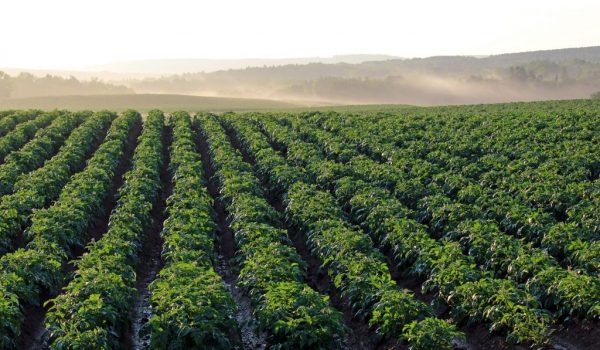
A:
424	228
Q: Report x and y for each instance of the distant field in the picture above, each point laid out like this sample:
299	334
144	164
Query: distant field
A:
145	102
170	103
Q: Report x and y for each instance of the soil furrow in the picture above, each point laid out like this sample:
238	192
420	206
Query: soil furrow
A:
150	260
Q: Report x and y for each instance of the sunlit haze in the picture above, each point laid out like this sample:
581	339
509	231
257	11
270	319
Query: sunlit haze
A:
74	34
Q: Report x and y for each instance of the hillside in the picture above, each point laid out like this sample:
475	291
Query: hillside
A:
526	76
356	79
183	65
144	103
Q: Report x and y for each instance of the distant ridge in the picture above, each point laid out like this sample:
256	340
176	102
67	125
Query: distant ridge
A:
194	65
351	79
590	53
156	67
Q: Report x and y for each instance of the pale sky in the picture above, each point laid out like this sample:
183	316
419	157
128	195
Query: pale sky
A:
76	33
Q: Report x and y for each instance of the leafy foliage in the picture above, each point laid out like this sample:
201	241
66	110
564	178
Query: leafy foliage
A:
54	230
354	265
492	209
39	187
97	301
190	304
430	333
295	315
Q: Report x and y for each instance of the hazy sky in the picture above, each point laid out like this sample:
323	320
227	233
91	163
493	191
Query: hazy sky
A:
76	33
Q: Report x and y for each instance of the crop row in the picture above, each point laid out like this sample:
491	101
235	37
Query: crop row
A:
563	291
190	304
36	151
272	272
566	292
41	186
56	230
6	113
442	264
23	133
94	307
10	121
356	268
539	188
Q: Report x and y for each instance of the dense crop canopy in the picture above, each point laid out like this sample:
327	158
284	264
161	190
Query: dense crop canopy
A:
416	228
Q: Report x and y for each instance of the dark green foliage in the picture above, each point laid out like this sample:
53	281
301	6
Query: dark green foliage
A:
55	230
294	315
190	304
97	301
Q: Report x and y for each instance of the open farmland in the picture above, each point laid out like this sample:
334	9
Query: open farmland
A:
462	227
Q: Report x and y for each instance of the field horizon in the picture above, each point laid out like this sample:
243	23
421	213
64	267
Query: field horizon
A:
191	103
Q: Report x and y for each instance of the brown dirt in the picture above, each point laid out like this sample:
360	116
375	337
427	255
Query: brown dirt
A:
150	260
33	332
577	335
479	338
249	337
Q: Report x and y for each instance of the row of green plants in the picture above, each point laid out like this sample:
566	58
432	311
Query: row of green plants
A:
94	307
190	305
7	112
54	231
566	292
535	174
441	213
10	121
40	187
23	133
33	155
272	272
355	266
442	265
535	148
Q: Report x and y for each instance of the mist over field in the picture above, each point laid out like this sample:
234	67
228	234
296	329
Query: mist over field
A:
332	175
351	79
338	52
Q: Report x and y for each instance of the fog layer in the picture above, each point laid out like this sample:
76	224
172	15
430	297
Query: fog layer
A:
539	75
